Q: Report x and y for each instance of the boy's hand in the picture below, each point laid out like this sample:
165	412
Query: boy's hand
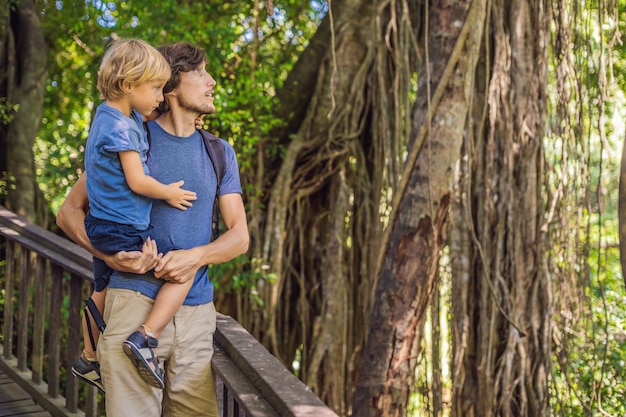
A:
180	199
200	121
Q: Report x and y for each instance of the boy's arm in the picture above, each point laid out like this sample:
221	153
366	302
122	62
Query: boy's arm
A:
147	186
71	219
181	265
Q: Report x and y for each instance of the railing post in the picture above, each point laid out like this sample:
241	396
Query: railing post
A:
91	403
73	340
38	319
54	329
24	303
9	288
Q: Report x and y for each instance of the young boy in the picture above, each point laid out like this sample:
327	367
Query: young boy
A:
130	79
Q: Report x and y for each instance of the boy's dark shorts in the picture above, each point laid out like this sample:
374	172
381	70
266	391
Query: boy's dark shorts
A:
110	237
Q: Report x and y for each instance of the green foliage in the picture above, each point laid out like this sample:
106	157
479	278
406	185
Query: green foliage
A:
589	376
10	7
77	34
7	111
235	277
592	375
6	182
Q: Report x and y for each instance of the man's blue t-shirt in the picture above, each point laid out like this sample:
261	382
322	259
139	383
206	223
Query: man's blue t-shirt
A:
173	158
110	197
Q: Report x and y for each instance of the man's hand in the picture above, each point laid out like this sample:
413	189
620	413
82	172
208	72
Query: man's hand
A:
177	266
137	262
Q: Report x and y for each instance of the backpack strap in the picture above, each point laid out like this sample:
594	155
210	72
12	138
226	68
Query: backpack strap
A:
91	309
217	154
215	149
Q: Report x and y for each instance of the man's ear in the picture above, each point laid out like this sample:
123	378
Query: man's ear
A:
170	97
164	106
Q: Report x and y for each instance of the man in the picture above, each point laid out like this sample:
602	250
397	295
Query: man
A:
186	344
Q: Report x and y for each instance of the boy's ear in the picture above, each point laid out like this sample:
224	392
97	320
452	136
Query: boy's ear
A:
127	87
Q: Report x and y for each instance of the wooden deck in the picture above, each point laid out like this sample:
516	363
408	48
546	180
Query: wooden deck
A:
14	401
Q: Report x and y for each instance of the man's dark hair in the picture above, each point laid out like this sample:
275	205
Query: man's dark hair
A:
182	57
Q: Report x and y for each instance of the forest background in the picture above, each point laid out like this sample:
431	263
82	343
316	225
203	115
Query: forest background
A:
432	186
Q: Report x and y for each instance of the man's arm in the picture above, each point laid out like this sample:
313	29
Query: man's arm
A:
71	219
181	265
71	215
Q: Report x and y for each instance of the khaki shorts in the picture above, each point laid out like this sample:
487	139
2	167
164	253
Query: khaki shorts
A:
185	348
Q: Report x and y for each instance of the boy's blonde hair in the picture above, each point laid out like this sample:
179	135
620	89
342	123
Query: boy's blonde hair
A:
133	61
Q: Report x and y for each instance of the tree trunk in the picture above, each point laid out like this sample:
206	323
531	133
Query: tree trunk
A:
6	108
502	294
292	100
23	83
321	203
417	230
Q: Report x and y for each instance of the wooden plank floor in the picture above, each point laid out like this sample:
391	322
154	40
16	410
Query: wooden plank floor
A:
14	401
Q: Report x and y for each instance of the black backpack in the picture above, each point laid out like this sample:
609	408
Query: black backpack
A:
215	149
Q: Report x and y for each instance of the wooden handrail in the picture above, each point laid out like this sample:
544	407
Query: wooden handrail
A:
41	270
272	382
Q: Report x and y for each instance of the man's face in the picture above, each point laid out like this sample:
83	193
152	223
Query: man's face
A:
195	91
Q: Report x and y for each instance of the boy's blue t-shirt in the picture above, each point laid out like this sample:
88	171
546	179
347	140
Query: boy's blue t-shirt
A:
172	158
110	197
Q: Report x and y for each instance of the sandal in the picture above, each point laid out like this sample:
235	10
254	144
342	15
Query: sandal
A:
141	349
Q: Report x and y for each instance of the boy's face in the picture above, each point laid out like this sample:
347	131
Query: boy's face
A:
145	97
195	91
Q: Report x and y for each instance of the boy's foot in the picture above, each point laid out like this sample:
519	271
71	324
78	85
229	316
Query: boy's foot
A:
88	371
141	349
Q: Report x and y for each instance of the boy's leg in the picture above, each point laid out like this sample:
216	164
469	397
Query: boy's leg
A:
189	387
169	299
86	366
127	393
140	346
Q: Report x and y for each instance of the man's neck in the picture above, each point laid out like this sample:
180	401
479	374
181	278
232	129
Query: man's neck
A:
177	123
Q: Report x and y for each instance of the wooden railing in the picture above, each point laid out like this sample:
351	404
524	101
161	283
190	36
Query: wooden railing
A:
46	276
